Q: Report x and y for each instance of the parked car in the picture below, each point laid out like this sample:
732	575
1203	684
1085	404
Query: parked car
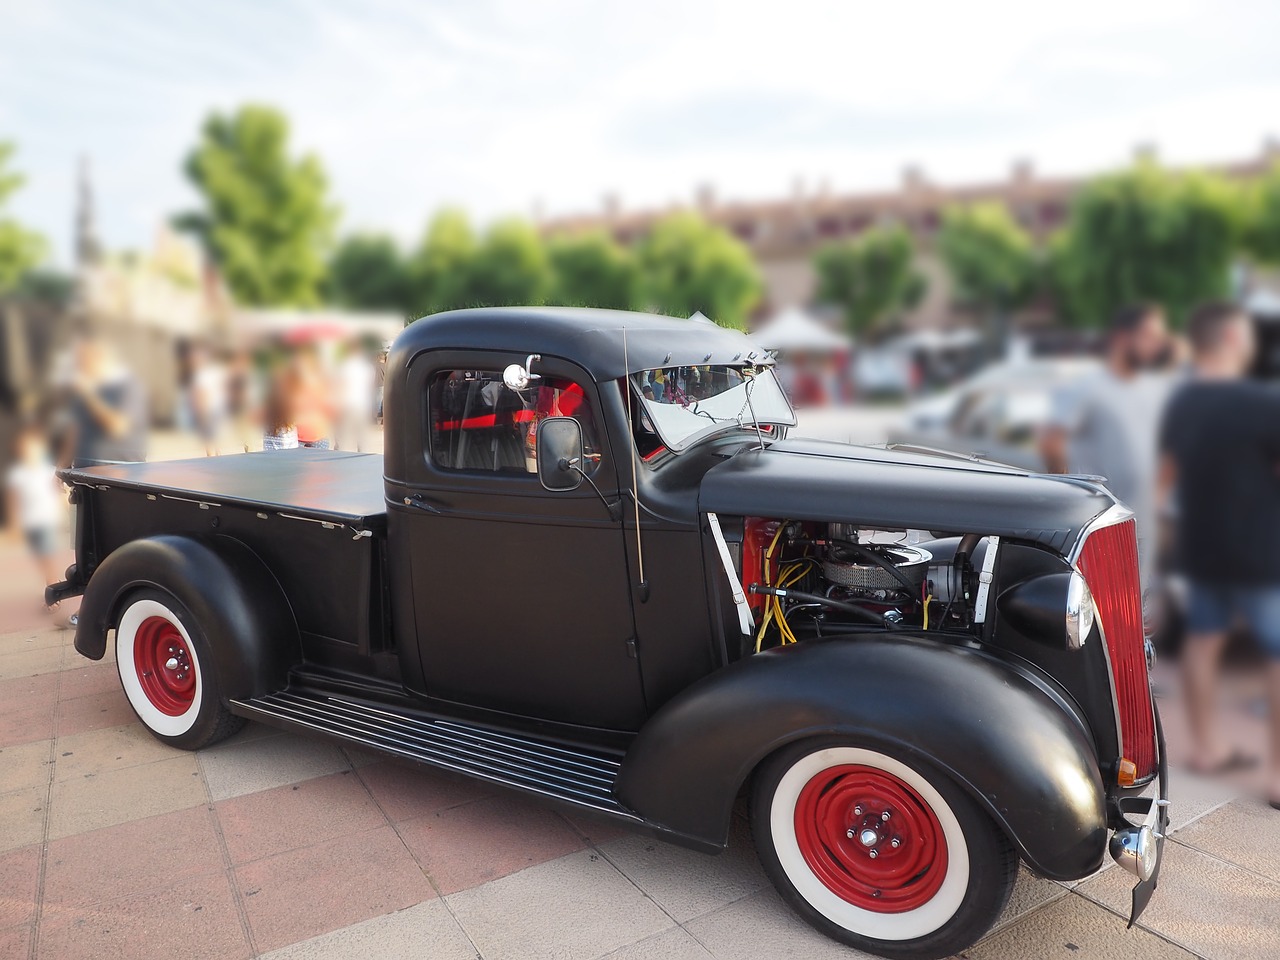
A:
639	602
998	413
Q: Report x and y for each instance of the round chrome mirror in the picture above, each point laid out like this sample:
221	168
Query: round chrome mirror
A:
515	377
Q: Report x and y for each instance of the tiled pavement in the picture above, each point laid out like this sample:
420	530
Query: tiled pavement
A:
112	845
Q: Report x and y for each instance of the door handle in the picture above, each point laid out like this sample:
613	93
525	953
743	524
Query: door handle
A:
419	503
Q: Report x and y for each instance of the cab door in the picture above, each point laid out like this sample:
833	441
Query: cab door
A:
520	595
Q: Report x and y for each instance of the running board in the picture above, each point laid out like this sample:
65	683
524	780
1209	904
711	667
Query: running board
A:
574	776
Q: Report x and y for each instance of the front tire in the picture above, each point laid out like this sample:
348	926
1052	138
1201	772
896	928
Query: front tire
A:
162	656
884	854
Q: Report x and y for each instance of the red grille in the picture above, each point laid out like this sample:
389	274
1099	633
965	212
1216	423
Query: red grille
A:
1109	562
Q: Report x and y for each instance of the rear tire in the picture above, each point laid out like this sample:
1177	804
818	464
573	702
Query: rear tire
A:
881	852
167	672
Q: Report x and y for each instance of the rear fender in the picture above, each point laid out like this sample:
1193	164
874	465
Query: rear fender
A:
231	593
1015	748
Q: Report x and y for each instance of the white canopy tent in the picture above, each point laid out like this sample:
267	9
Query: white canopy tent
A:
794	330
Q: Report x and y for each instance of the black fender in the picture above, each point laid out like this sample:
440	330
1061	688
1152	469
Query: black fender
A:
1014	747
232	594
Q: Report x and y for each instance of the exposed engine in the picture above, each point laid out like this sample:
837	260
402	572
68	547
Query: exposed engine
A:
805	579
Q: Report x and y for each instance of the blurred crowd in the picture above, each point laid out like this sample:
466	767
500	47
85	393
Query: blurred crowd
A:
94	410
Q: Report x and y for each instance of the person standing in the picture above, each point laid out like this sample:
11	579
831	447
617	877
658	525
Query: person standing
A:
107	410
1106	424
1220	459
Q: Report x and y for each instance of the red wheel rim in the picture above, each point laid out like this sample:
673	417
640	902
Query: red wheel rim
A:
165	667
887	864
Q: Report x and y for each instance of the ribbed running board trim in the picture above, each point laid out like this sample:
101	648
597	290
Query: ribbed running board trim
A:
573	776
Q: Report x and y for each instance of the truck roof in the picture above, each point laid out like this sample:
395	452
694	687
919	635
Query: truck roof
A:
590	338
343	488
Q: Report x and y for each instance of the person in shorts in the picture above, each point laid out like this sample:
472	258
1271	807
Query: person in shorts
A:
35	505
1220	459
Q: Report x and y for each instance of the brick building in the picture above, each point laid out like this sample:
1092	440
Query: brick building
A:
783	234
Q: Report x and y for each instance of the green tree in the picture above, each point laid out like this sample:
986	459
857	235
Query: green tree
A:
870	278
1145	234
592	270
20	249
509	268
266	221
688	264
367	272
438	269
991	259
1262	218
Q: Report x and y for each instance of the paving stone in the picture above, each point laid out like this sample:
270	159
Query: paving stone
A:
30	662
465	846
239	766
1192	796
83	678
1212	908
25	765
299	894
110	748
426	931
404	790
16	941
763	926
575	908
1074	929
673	944
130	858
263	824
94	712
118	796
685	883
195	919
22	817
19	876
28	708
1245	832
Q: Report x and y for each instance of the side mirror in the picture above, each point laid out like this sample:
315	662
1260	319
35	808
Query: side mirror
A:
517	377
560	458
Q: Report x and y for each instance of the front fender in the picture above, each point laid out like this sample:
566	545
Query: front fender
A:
1016	750
231	593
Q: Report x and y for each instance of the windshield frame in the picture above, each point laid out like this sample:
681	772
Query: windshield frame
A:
746	422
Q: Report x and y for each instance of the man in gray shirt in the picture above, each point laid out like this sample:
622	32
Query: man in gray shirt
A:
1107	424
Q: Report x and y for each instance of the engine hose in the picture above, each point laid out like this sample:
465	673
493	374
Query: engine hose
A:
784	594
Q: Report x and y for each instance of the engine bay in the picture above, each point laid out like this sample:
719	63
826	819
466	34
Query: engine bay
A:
808	580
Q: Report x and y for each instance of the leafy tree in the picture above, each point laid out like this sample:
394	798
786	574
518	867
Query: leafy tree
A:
870	278
1145	234
1262	218
438	269
591	270
367	272
688	264
267	221
509	268
991	259
20	249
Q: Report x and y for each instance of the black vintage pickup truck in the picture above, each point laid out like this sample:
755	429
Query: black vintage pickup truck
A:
591	566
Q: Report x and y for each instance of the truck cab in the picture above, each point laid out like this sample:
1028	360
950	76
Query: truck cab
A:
592	566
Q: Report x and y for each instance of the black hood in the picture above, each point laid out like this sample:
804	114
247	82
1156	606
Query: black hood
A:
898	488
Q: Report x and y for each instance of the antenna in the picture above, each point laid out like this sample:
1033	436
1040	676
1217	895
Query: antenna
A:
635	492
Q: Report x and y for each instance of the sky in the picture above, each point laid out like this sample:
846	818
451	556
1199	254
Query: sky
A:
516	106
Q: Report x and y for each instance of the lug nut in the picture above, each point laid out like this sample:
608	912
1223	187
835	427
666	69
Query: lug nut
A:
873	853
857	811
895	843
885	815
849	833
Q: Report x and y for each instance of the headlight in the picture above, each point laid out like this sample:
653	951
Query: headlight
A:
1080	611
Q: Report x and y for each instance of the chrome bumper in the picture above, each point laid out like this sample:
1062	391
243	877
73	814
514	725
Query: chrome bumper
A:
1139	846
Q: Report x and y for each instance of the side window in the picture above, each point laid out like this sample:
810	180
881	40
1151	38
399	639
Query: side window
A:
478	423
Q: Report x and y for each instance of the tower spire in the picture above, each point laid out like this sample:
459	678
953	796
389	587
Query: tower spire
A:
88	249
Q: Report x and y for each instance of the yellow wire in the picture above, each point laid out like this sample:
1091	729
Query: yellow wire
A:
927	601
768	606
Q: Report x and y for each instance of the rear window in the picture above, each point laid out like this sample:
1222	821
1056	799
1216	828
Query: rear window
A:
478	423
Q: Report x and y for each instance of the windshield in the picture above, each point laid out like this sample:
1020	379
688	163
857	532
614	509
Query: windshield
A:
685	403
